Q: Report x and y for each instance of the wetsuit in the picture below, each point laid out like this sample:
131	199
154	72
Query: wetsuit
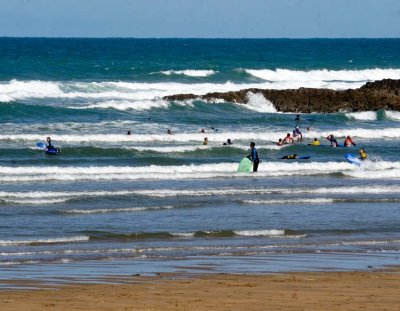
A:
315	143
296	133
253	156
348	142
333	141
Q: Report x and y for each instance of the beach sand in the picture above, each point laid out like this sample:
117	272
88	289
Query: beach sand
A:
294	291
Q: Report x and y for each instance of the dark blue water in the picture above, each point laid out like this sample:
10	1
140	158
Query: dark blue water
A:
153	201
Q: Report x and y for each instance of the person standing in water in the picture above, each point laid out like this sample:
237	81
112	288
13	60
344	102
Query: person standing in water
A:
205	141
253	156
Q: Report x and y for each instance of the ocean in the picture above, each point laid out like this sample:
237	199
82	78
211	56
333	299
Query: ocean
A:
117	204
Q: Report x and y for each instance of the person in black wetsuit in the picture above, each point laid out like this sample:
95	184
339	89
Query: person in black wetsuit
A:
49	144
228	142
253	156
332	140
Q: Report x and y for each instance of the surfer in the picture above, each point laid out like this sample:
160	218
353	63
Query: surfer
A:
253	156
290	157
363	155
288	139
348	142
49	143
297	135
315	142
205	141
333	140
228	142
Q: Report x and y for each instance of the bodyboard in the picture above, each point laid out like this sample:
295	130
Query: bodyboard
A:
351	158
245	166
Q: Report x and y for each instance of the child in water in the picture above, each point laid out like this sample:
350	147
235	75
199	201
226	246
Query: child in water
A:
363	155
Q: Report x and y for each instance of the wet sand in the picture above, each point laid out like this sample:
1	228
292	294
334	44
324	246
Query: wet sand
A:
295	291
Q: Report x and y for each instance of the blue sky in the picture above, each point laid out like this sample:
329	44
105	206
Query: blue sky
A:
201	18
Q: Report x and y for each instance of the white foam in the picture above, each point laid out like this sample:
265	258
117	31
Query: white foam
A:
190	72
360	133
45	241
123	105
38	197
364	115
104	93
213	137
273	232
46	173
392	115
114	210
257	102
294	201
323	78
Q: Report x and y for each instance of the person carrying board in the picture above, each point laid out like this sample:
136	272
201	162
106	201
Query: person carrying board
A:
253	156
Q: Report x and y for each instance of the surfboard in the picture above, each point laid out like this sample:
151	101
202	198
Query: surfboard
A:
245	166
351	158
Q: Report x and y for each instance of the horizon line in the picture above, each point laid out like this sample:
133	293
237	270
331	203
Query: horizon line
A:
202	38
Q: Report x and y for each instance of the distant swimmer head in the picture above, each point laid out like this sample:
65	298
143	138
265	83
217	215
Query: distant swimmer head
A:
229	141
252	144
315	139
48	138
288	135
202	131
169	131
128	133
348	137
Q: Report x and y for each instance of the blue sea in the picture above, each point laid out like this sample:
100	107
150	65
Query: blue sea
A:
117	204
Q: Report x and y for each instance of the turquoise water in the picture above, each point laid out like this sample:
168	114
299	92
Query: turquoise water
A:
148	202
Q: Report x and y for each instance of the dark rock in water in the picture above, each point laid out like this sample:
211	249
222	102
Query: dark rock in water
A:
383	94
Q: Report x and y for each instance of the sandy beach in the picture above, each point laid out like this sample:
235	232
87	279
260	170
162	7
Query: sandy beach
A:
294	291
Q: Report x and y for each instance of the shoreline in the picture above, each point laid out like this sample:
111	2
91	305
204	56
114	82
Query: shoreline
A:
374	290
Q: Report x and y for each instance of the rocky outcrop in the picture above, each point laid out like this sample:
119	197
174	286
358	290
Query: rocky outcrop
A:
383	94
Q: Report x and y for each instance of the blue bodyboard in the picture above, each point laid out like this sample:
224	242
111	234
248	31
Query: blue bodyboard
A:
351	158
40	145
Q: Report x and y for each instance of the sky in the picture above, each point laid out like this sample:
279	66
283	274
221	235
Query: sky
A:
201	18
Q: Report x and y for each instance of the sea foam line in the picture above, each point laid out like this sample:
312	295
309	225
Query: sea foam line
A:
45	241
214	137
274	79
34	173
39	197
